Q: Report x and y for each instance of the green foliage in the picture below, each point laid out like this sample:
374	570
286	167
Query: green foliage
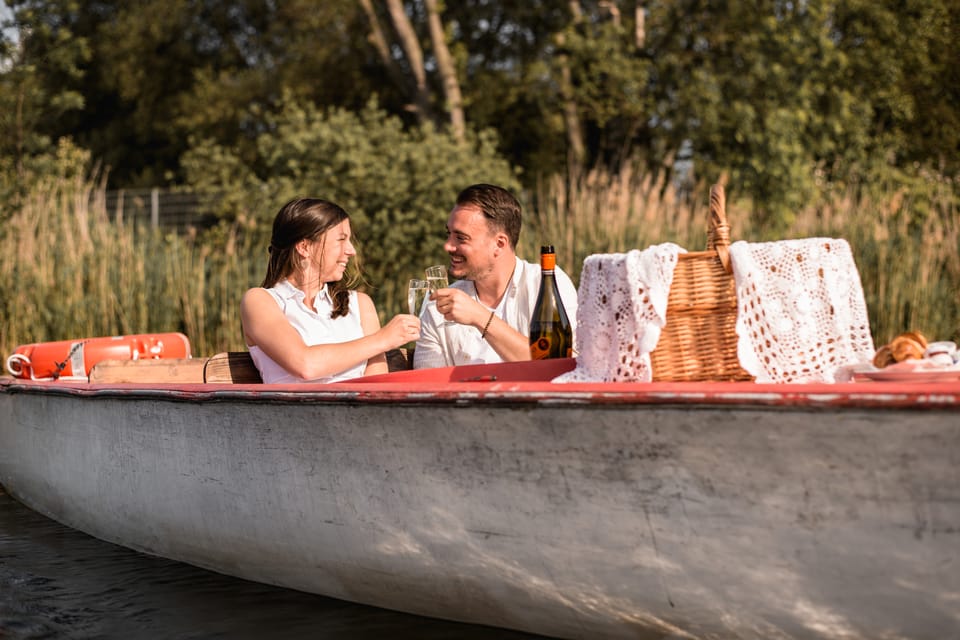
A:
34	90
397	184
760	91
151	74
20	175
902	60
764	93
611	85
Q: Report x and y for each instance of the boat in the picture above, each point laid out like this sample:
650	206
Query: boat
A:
488	494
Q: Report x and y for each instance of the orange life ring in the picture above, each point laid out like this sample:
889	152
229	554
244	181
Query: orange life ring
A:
73	359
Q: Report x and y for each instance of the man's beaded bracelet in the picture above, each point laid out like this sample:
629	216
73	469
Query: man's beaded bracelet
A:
486	327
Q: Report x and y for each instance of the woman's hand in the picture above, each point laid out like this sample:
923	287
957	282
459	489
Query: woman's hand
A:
401	329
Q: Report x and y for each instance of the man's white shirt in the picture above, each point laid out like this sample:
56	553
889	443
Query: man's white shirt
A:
444	344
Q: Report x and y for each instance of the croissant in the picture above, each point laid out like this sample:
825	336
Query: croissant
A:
906	346
916	335
883	357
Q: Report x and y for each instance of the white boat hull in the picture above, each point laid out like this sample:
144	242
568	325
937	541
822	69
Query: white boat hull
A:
640	512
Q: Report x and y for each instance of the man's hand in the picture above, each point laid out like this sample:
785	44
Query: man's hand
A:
457	306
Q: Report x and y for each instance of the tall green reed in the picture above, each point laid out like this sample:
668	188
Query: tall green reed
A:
602	212
68	269
907	248
906	243
65	271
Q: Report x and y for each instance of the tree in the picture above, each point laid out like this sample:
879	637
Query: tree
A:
785	94
783	97
409	71
156	72
34	90
445	67
903	61
397	182
610	84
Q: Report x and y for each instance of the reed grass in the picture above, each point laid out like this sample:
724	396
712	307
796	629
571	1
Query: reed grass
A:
907	249
600	212
68	269
906	243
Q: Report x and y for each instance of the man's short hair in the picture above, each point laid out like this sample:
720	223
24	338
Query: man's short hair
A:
499	207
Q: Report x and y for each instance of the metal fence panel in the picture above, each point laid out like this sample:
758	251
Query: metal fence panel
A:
160	208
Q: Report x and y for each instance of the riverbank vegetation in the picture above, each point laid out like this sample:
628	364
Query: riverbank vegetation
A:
68	268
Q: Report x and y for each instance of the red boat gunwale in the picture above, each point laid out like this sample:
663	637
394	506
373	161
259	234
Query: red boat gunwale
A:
529	383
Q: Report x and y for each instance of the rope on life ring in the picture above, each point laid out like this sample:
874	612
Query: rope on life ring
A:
63	365
17	363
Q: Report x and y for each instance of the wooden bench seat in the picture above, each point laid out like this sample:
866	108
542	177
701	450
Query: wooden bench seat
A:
231	367
175	370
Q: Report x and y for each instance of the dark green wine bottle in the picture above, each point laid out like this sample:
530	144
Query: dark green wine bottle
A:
551	335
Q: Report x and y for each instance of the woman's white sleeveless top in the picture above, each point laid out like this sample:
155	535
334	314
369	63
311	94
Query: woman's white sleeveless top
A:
315	327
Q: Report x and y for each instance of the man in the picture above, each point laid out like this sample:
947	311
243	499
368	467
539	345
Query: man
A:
485	316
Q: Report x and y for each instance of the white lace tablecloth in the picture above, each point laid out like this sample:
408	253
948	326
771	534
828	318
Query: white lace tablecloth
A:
801	311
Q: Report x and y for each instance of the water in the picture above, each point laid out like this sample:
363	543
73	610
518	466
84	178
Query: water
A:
57	583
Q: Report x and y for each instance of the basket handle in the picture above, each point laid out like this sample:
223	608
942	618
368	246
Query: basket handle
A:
718	232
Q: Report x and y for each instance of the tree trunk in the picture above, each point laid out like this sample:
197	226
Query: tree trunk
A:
379	42
571	117
641	30
451	86
411	50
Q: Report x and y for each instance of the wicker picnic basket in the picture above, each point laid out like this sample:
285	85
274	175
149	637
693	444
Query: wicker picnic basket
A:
699	340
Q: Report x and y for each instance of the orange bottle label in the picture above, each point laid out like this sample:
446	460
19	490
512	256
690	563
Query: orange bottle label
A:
540	350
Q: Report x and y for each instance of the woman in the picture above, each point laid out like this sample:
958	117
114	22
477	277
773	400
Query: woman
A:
303	323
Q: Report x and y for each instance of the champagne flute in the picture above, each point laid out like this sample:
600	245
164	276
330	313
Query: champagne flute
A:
417	292
437	277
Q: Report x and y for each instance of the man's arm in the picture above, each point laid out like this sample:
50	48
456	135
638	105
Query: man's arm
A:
510	344
457	306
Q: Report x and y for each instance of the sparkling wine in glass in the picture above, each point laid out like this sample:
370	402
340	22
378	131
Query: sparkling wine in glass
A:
437	277
416	294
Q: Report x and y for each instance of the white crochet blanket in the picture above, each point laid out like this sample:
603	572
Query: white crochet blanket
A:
621	308
801	312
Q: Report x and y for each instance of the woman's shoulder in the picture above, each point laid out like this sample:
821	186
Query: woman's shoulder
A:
363	299
258	295
258	291
254	293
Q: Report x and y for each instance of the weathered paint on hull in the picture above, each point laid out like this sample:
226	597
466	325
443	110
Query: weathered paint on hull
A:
585	511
